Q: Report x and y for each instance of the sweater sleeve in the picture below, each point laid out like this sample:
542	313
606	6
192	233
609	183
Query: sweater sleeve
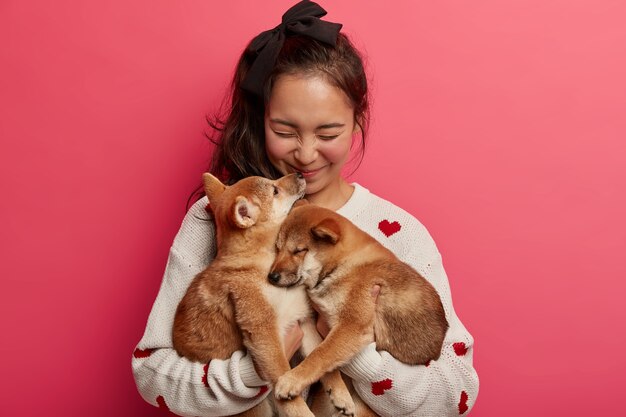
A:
169	381
445	387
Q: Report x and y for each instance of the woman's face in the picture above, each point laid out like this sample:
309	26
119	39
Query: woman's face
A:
309	126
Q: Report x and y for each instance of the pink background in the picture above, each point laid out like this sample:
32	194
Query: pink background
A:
499	124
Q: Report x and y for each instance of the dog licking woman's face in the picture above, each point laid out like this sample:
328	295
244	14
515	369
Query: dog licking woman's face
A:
253	200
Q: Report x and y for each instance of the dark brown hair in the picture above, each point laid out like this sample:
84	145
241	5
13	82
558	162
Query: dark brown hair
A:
238	129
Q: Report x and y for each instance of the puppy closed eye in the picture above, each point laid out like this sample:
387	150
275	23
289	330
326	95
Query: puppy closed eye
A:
301	251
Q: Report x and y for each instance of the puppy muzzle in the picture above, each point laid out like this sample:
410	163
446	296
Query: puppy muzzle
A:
279	280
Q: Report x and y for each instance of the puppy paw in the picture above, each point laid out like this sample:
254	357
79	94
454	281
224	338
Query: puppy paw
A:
342	401
293	408
288	387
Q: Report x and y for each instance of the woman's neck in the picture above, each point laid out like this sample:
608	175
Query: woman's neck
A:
333	197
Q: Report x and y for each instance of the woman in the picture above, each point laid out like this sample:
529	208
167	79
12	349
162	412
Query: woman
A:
298	102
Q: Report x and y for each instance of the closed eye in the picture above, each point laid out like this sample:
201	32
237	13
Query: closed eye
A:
299	250
285	134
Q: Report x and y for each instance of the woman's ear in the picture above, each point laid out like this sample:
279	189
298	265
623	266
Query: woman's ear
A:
357	135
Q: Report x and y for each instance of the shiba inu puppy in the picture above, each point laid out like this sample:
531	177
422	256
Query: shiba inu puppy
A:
339	264
230	305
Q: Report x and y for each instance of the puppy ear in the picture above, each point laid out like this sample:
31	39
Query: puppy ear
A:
327	230
301	202
212	186
244	212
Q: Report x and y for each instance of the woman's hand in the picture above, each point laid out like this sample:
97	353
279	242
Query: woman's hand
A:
293	340
322	325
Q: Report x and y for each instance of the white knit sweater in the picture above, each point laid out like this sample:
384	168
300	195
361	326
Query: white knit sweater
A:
446	387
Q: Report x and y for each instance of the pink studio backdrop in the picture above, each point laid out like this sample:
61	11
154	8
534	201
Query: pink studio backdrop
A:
500	125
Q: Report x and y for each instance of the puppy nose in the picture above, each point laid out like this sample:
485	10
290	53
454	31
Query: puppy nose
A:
299	175
274	277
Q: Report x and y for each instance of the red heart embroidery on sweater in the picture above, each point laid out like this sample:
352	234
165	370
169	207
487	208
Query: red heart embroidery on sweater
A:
378	388
161	402
389	228
205	376
463	403
142	353
460	349
262	390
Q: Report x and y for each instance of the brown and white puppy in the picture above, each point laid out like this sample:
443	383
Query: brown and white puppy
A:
339	264
230	305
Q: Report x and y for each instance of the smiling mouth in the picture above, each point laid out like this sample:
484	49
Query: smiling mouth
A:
310	173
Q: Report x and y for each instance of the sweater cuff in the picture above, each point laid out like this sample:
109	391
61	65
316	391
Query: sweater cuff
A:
248	373
364	365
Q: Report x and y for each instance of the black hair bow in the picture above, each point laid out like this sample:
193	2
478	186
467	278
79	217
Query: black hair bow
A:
301	19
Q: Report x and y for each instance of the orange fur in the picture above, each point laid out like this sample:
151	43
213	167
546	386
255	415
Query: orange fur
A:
339	264
231	305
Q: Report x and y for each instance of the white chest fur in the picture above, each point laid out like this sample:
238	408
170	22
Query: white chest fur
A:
290	304
328	296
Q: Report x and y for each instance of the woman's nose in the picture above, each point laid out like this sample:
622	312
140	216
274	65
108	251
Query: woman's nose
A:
306	153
